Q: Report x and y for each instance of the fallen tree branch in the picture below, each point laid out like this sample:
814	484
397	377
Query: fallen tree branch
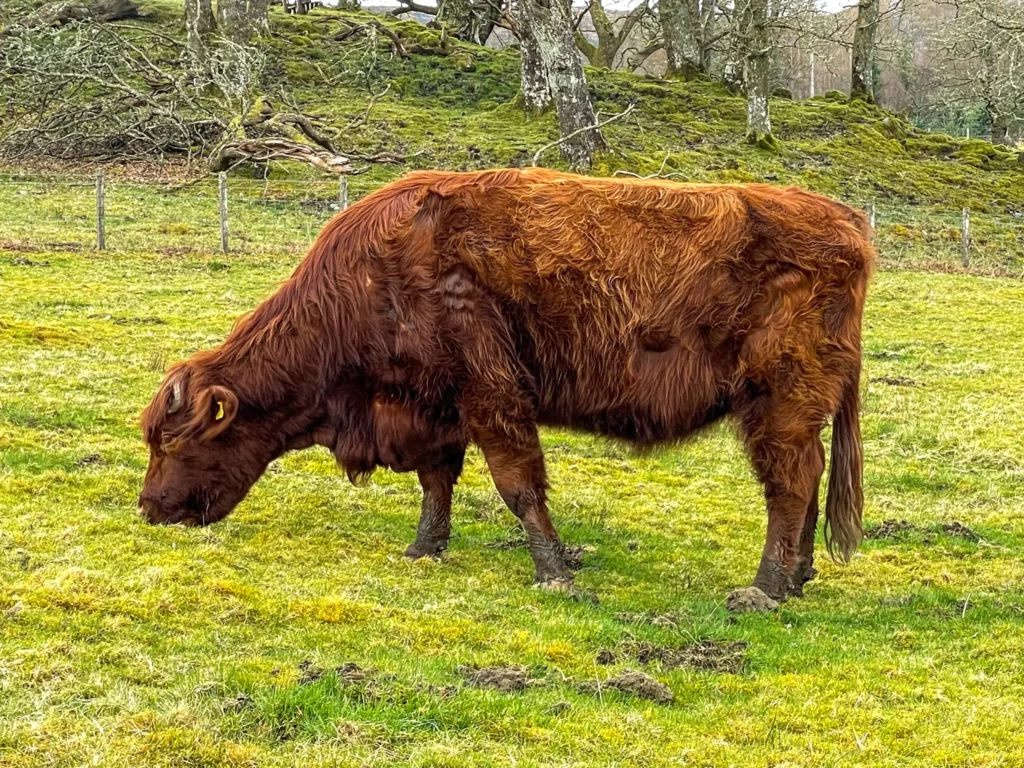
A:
585	129
305	125
58	14
232	153
659	175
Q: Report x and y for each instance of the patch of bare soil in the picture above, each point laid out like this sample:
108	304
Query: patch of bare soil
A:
704	655
348	673
24	261
632	682
670	620
513	542
18	246
507	679
88	461
895	381
960	531
890	529
236	703
175	250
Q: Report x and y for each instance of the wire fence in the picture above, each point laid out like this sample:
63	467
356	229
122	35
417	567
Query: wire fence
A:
255	216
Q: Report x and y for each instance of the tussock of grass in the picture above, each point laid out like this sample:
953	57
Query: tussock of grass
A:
123	644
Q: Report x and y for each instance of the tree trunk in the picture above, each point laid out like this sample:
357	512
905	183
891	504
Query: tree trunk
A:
469	20
457	16
533	77
861	80
259	16
486	15
707	33
551	23
732	67
198	26
756	71
234	21
680	28
608	42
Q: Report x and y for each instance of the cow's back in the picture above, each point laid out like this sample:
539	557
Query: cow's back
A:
632	303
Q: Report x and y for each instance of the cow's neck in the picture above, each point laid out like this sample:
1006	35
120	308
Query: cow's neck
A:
278	359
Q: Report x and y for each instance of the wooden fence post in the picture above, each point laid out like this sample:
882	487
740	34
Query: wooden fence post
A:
222	189
342	192
965	236
101	213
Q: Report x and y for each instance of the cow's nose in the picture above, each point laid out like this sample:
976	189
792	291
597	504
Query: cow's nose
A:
150	512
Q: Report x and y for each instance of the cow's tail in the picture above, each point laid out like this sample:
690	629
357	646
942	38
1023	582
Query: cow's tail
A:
845	502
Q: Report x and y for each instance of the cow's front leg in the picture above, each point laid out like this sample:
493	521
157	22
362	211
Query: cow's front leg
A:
517	467
435	525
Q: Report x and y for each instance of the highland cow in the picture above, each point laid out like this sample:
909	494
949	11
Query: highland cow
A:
450	308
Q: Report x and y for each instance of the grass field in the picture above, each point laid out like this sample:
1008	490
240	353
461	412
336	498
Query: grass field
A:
123	644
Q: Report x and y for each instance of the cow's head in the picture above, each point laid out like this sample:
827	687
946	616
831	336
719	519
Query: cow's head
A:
203	455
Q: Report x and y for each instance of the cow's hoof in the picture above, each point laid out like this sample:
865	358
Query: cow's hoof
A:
429	548
804	572
750	600
559	584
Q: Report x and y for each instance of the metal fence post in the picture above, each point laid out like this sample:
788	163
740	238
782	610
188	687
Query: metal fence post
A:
101	212
222	189
871	214
965	236
342	192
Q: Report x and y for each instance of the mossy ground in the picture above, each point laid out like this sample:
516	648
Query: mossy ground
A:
123	644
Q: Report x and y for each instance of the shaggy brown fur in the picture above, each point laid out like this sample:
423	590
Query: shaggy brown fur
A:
456	307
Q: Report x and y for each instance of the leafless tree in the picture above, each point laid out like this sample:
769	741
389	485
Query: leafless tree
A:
861	80
551	23
756	44
612	33
533	77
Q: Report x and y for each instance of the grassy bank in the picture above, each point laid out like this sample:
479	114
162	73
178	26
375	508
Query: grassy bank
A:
123	644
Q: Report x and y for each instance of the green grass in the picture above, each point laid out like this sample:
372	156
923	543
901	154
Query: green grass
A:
123	644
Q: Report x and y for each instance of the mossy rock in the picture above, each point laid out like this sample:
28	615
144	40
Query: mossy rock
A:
766	142
782	93
653	89
901	232
939	144
875	142
893	127
836	96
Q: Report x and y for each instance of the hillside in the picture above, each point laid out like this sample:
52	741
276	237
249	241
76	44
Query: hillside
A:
449	106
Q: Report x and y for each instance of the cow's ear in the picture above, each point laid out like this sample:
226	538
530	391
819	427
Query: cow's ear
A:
220	406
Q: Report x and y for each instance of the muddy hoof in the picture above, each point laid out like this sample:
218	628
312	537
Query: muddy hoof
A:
801	576
419	549
750	600
560	584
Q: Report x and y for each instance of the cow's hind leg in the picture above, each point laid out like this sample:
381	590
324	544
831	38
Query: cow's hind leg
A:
437	481
786	452
804	570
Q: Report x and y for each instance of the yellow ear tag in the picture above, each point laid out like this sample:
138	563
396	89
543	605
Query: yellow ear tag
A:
220	411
